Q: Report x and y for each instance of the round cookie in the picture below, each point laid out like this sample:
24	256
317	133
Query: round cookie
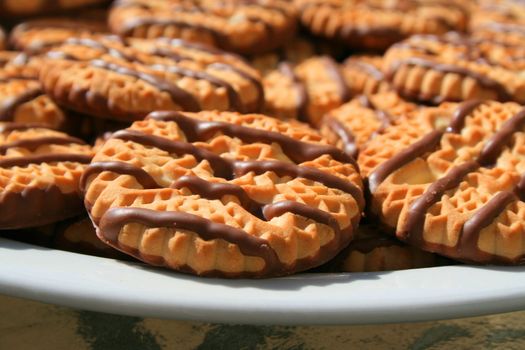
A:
305	91
42	34
40	171
375	25
364	75
371	250
126	79
351	126
225	194
500	20
459	190
433	69
246	27
13	9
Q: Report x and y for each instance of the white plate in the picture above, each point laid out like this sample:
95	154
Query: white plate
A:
107	285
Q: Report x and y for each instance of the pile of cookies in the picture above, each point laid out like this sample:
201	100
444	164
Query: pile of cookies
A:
261	138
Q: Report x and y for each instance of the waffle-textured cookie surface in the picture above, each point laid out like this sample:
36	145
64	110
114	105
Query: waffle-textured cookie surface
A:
246	27
433	69
305	91
40	171
125	79
351	126
223	194
378	24
458	190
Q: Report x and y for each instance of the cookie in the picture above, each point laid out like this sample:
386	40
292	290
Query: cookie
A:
364	75
305	91
40	171
223	194
458	191
372	251
375	25
41	35
351	126
126	79
433	69
246	27
502	21
11	9
295	52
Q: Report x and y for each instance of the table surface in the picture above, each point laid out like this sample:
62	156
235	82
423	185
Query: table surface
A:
27	324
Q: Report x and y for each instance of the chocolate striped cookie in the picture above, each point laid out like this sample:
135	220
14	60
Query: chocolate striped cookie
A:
223	194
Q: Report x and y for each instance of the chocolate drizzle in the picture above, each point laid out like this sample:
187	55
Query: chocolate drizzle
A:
142	177
287	70
368	68
383	116
181	97
461	113
486	82
494	146
114	219
346	136
428	143
9	106
298	151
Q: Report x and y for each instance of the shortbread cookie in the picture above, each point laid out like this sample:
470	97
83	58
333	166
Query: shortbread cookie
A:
125	80
364	75
459	192
22	100
499	20
43	34
223	194
433	69
39	174
246	27
355	123
371	250
10	9
375	25
305	91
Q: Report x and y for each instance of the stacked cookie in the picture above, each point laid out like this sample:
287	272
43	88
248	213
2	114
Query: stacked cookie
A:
210	138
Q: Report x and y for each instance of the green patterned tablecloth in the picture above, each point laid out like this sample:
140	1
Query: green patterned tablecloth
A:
32	325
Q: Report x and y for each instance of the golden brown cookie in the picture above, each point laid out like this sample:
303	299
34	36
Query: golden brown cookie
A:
372	250
39	174
433	69
13	9
305	91
375	25
42	34
458	191
223	194
351	126
499	20
126	79
246	27
364	75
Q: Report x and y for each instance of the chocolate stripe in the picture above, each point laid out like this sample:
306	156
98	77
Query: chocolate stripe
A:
34	143
9	162
483	217
114	219
180	96
221	167
9	105
461	113
414	226
428	143
494	146
383	116
286	69
202	130
346	136
288	169
485	81
368	68
142	177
